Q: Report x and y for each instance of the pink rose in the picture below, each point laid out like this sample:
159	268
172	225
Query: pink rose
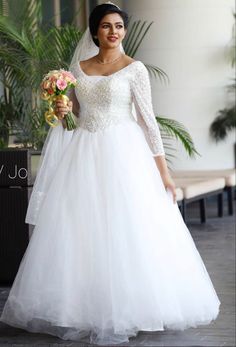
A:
53	78
61	84
69	77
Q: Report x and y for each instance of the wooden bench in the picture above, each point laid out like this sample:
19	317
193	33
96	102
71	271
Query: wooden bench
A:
229	176
198	189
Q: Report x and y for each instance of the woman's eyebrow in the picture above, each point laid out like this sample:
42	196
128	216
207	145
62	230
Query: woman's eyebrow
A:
111	23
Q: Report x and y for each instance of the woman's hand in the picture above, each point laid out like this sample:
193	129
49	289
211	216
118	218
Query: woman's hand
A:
62	109
169	184
165	175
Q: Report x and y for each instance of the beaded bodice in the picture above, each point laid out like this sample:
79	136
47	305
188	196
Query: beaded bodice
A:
108	100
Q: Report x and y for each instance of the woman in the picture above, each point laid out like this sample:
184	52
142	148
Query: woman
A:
110	254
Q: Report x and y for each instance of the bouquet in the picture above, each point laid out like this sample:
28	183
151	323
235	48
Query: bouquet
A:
54	86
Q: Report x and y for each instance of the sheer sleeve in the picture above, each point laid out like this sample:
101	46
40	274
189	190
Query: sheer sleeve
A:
142	99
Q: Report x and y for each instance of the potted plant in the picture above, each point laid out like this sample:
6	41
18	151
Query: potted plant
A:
225	121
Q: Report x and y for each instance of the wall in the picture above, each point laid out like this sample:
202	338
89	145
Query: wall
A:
188	40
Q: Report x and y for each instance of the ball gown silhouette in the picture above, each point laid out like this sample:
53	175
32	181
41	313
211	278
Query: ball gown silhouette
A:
110	254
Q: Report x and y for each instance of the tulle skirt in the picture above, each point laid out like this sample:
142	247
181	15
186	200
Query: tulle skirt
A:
110	254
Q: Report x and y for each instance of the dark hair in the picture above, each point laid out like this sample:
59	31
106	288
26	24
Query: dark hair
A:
99	12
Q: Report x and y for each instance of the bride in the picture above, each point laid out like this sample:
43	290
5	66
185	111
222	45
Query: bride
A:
110	254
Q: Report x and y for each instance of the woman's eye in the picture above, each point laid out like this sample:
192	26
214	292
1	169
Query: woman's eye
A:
107	26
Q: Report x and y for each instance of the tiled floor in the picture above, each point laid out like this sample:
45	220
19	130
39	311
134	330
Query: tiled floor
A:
216	243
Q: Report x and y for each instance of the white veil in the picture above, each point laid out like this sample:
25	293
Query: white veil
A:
57	138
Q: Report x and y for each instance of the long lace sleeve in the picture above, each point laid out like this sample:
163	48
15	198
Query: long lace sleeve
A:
142	98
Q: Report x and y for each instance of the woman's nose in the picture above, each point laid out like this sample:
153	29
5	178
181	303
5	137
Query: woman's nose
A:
112	30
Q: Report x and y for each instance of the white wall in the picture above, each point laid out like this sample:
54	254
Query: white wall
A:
188	41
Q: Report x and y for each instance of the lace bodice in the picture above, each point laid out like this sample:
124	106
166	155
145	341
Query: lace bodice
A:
109	100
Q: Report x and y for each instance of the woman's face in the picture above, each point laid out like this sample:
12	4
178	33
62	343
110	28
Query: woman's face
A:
111	31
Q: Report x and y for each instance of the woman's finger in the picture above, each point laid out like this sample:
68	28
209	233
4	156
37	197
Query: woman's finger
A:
174	194
59	103
62	109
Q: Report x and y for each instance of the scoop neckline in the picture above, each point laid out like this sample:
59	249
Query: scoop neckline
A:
114	73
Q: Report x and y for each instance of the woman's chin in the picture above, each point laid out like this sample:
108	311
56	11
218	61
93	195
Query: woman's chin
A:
112	44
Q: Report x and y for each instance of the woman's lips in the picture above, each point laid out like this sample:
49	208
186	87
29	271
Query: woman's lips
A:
113	39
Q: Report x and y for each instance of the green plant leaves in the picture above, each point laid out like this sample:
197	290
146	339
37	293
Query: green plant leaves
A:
27	52
171	128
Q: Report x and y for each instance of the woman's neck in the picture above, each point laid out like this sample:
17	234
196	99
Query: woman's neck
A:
108	55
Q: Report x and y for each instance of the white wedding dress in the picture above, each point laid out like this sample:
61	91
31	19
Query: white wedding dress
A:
110	253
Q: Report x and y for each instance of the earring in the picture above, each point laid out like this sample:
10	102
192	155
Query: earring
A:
95	37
